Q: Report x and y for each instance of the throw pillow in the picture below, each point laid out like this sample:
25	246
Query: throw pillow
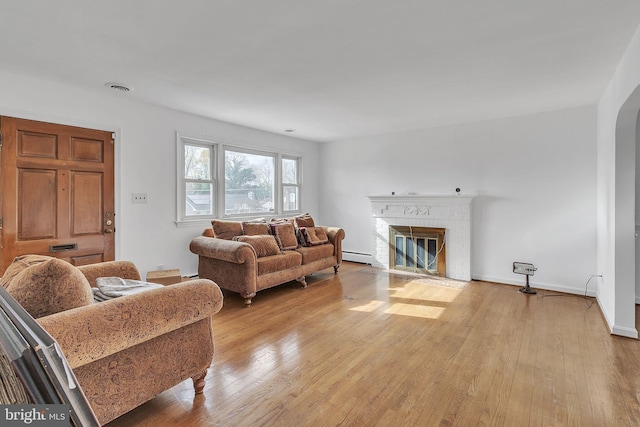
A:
263	245
226	229
285	235
49	287
322	235
304	220
274	221
255	228
313	236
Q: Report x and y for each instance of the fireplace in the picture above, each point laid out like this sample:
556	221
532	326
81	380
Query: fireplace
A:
450	213
417	249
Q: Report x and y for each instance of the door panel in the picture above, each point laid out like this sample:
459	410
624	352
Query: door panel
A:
37	204
85	260
86	203
57	194
31	144
87	150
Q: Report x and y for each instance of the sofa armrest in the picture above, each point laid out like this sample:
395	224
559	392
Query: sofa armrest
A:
335	235
89	333
122	269
224	250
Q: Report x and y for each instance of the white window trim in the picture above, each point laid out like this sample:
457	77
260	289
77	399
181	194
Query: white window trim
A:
219	149
181	218
298	184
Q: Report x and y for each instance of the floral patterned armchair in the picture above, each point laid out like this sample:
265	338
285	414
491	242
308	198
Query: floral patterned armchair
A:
126	350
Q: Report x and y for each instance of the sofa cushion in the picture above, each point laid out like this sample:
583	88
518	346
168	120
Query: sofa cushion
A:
304	220
285	260
285	235
312	236
226	229
314	253
49	286
255	228
263	245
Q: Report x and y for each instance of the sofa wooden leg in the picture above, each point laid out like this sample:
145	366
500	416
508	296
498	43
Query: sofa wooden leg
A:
198	382
335	269
247	299
302	281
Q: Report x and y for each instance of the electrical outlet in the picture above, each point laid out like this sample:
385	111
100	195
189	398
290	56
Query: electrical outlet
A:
139	197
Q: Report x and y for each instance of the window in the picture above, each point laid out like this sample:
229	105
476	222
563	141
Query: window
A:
290	184
236	183
197	186
248	182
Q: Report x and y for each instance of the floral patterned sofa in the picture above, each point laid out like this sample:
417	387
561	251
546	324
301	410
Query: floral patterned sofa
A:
246	257
127	350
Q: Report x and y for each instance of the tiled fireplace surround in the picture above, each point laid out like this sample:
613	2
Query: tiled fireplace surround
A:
450	212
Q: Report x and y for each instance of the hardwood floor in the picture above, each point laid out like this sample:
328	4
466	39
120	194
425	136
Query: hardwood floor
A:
364	348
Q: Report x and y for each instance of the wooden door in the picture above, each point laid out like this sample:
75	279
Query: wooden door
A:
57	194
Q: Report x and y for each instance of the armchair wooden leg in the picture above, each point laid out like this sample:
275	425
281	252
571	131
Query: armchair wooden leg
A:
335	269
247	299
198	382
302	281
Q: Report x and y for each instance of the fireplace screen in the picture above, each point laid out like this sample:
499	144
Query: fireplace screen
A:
419	249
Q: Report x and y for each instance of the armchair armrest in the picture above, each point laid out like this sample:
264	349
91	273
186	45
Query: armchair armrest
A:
123	269
224	250
92	332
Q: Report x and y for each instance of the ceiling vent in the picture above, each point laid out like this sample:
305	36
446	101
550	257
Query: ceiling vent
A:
119	86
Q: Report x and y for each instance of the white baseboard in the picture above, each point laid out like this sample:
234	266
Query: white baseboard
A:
625	332
356	257
536	285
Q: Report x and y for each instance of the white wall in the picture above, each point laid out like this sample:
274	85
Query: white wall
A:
534	177
145	160
617	140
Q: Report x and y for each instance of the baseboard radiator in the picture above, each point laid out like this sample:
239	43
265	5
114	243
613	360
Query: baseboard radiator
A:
356	257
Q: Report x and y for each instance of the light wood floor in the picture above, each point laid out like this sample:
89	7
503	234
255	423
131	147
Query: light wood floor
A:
367	349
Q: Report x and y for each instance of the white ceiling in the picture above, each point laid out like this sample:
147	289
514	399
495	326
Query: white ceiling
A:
331	69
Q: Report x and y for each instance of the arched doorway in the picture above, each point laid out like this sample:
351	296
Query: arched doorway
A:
627	215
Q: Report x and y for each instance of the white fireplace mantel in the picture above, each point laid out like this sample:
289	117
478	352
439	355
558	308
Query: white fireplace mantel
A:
450	212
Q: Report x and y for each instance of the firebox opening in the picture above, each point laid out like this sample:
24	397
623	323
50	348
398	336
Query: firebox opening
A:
417	249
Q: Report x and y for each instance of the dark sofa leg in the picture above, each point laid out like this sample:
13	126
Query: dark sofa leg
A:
198	382
335	269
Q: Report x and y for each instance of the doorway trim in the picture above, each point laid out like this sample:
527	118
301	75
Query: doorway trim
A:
624	253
